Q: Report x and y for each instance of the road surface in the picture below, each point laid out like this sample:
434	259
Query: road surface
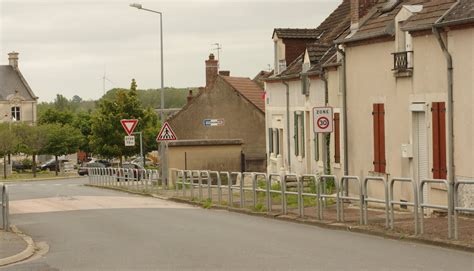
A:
95	229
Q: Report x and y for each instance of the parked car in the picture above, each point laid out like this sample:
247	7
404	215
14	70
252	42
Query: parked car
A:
51	164
106	163
84	169
18	166
148	161
133	174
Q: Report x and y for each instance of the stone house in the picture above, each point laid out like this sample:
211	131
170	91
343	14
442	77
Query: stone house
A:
227	111
17	100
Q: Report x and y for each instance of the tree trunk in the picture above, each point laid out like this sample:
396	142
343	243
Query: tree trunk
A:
56	166
4	166
121	160
34	165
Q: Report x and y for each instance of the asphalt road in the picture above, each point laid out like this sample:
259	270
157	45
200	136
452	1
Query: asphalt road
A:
95	229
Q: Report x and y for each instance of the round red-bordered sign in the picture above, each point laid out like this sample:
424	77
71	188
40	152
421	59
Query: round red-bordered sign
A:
323	122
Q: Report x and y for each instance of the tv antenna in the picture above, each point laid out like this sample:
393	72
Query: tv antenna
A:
218	48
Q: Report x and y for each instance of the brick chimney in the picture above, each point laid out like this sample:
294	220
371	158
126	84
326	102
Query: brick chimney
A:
190	96
224	73
359	8
212	67
13	59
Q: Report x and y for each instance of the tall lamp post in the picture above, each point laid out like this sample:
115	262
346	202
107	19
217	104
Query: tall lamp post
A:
164	166
162	107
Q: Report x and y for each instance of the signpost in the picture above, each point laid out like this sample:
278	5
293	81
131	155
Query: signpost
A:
213	122
129	141
129	125
322	119
166	133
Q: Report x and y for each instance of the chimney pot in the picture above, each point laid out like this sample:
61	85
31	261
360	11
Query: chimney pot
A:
224	73
359	8
13	59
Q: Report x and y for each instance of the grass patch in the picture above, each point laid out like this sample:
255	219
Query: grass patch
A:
207	204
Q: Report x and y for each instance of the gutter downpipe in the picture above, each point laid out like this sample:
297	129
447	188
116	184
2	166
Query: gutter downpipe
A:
288	141
327	158
450	147
344	114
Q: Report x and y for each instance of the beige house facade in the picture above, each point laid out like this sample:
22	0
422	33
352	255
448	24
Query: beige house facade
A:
17	100
398	96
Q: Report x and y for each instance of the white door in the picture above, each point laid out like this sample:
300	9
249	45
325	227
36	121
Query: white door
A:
420	135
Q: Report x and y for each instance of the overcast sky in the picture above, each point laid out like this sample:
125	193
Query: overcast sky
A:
65	45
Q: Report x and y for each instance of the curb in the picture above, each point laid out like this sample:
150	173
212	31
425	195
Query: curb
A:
9	181
25	254
321	224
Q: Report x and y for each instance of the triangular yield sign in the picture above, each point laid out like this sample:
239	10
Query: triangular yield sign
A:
166	133
129	125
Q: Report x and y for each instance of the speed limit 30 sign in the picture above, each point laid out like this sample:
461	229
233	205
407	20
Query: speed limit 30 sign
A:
322	119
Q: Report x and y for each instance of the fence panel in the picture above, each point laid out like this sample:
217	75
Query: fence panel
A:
457	208
392	202
368	199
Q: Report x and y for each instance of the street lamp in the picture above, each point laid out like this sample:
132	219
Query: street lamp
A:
162	106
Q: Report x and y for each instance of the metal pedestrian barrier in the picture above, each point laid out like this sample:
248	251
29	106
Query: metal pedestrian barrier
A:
457	209
345	181
393	202
368	199
194	183
5	207
423	205
322	196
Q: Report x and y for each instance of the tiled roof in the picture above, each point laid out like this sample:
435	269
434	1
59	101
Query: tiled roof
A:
322	50
461	12
261	76
12	82
431	12
247	88
296	33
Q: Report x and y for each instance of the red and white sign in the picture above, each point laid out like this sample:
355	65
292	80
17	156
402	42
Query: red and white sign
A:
322	119
129	125
166	133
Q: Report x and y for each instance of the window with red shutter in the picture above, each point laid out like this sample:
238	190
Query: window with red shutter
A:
337	139
378	115
438	113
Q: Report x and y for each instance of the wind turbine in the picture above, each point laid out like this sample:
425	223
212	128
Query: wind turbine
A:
104	78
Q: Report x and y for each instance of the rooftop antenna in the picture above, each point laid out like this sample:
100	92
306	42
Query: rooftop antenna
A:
218	48
104	78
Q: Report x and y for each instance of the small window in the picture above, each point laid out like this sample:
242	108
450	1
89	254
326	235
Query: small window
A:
299	133
16	113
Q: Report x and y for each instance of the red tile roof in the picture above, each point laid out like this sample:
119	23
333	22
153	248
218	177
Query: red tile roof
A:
296	33
431	12
462	12
248	88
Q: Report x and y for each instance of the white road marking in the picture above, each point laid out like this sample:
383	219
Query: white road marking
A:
74	203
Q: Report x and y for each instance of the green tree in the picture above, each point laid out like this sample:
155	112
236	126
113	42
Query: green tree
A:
7	144
52	115
107	137
32	140
62	140
82	121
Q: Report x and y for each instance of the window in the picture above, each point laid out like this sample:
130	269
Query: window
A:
16	113
270	140
299	133
378	115
438	112
274	141
337	139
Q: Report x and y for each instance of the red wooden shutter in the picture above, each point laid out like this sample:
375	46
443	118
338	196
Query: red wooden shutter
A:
438	113
337	139
379	137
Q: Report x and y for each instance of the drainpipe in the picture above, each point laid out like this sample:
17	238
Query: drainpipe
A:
344	111
344	116
326	136
449	60
288	124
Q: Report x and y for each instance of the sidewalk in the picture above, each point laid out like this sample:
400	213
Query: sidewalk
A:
14	247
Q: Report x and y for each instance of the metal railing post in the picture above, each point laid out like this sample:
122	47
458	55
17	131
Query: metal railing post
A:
424	205
368	199
360	198
322	196
392	202
457	208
